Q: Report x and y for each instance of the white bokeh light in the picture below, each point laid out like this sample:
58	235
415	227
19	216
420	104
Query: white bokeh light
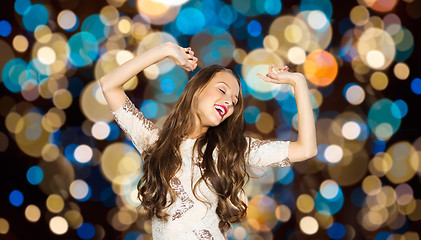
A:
333	153
83	153
351	130
100	130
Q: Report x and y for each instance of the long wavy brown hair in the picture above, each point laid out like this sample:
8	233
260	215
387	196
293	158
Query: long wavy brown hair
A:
163	160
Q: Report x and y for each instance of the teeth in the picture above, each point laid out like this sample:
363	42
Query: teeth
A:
219	108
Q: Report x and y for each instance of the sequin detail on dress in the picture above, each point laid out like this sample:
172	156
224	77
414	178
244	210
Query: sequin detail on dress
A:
186	202
203	234
284	163
131	108
258	143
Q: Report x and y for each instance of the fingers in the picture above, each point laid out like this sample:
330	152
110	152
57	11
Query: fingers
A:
267	78
191	63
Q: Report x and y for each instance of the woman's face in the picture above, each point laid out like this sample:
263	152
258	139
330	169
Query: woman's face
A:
217	100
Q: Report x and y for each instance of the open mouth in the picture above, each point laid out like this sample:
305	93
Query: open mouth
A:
222	110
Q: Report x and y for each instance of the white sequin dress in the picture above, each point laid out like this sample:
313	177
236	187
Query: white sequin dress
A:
191	219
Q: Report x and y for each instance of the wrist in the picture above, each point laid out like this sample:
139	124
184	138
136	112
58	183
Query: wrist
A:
297	79
167	49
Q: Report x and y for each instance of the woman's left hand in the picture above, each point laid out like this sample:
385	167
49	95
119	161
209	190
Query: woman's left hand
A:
280	75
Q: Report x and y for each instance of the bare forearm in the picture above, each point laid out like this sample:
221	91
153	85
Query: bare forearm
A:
123	73
306	124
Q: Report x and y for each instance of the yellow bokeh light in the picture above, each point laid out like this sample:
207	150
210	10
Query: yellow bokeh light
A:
62	98
124	26
55	203
401	71
239	55
376	48
111	14
157	12
111	160
14	122
270	43
293	33
371	185
359	15
379	80
32	213
4	226
50	152
305	203
93	109
123	56
265	123
20	43
43	33
283	213
74	218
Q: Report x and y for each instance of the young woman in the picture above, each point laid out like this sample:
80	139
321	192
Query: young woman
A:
195	167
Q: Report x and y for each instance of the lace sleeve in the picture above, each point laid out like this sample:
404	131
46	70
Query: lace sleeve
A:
139	129
267	153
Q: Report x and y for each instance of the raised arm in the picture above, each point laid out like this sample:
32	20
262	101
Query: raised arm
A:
112	83
306	146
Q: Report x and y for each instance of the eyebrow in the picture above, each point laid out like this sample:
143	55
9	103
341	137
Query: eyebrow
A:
228	87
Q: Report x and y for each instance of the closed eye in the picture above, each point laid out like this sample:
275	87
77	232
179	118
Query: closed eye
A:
222	91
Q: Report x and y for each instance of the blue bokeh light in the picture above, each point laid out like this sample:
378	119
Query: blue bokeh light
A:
86	231
38	71
254	28
329	206
322	5
399	109
12	76
35	175
358	197
336	231
114	132
96	25
284	175
379	115
190	21
416	86
16	198
34	16
132	236
149	108
227	14
273	7
251	114
379	146
5	28
383	236
83	49
167	85
22	5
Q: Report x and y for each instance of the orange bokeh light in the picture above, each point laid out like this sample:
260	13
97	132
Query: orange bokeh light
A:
381	5
320	68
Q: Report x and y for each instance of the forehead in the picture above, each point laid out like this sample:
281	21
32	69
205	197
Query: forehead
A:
226	79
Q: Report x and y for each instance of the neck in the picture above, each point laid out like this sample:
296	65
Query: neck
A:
198	131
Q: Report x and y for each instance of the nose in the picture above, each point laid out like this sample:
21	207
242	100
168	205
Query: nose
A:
228	103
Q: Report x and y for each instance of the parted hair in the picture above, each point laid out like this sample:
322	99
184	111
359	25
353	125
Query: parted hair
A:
226	176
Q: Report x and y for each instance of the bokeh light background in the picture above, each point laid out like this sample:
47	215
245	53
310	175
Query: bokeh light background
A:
68	172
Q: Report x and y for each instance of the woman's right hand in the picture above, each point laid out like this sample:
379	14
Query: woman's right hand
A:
183	57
